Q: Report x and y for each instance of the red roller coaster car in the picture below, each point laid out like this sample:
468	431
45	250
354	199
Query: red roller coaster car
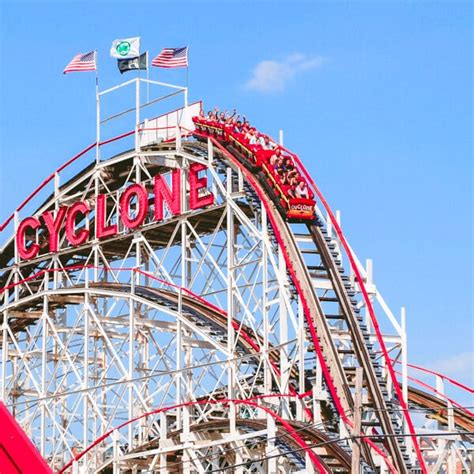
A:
258	158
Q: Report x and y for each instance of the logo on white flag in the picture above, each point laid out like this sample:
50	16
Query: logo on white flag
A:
125	48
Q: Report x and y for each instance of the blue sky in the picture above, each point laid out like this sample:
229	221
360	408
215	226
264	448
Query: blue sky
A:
375	97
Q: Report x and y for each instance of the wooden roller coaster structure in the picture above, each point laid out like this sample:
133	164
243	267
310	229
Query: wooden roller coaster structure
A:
211	322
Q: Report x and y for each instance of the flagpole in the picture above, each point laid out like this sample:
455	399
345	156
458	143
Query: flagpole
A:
147	79
97	105
187	67
137	107
187	78
139	73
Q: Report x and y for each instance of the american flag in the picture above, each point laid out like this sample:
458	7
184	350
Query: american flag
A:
172	57
81	62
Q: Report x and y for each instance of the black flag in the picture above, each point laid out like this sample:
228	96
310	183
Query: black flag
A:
131	64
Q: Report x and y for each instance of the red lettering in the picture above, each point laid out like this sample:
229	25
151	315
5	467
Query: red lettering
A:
133	209
76	237
142	202
195	184
164	194
101	228
27	252
53	225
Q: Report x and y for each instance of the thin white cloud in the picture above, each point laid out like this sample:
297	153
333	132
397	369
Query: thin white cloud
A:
272	76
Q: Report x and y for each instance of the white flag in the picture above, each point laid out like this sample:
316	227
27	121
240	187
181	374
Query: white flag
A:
125	48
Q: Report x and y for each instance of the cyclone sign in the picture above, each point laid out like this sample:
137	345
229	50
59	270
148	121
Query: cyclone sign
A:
136	205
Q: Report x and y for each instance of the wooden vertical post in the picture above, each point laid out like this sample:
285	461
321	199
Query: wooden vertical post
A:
357	422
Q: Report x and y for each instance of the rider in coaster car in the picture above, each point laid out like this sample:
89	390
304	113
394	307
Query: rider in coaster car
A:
245	123
293	178
222	119
226	118
279	166
250	136
288	165
282	175
238	126
266	143
211	117
230	124
301	191
270	144
275	157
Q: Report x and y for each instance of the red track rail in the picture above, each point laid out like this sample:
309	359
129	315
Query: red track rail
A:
438	393
444	377
44	183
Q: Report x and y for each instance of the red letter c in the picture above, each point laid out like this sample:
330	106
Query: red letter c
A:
27	252
79	237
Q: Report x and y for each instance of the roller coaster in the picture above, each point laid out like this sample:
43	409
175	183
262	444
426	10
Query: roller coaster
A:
169	306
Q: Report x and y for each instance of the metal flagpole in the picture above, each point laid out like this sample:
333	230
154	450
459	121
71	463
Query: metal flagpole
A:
97	105
187	67
147	79
187	78
137	105
186	90
139	70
